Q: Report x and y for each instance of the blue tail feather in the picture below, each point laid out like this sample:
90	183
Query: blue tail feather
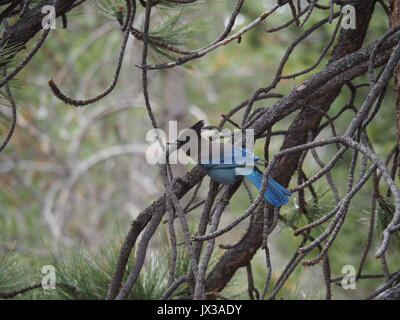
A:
278	186
275	194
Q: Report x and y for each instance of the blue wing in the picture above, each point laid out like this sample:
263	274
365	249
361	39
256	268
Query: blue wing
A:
228	168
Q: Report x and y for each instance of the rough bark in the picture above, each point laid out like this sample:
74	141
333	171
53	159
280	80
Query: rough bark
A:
394	20
348	42
179	187
390	294
31	23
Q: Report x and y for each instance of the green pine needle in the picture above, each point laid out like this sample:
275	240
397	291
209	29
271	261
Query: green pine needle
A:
385	213
109	8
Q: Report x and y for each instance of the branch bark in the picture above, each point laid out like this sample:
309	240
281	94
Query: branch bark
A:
394	20
179	188
31	23
349	41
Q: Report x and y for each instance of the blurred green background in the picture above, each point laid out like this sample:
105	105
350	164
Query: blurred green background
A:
65	201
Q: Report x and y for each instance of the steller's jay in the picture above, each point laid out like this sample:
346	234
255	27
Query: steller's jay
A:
224	162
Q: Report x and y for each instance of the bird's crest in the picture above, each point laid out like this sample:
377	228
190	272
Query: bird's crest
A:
198	126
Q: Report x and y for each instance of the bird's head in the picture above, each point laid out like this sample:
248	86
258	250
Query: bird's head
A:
191	134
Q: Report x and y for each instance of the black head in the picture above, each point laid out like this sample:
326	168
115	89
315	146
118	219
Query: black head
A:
198	126
186	134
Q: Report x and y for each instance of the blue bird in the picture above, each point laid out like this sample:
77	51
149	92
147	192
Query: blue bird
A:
225	163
